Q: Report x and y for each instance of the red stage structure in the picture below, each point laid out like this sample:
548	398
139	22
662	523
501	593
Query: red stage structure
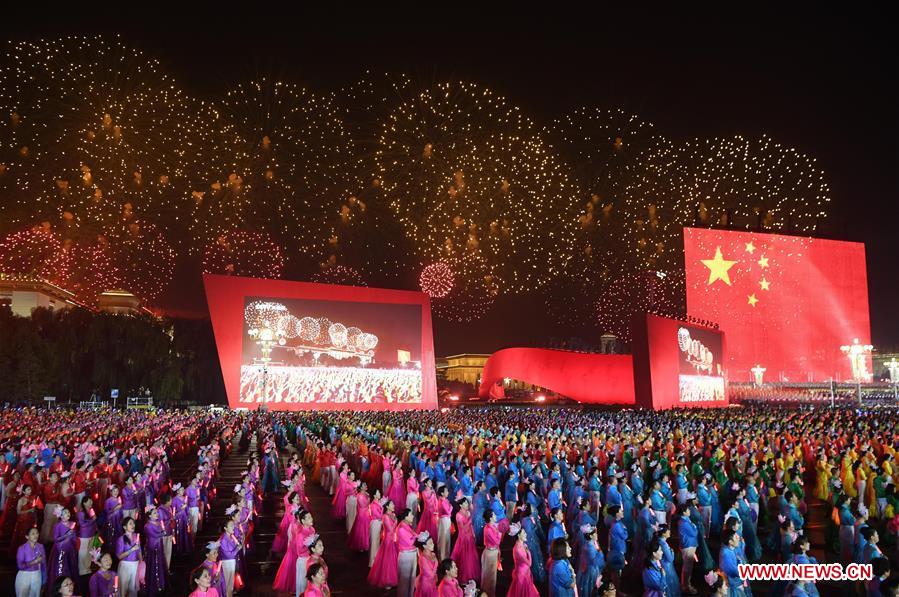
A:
675	364
297	346
587	378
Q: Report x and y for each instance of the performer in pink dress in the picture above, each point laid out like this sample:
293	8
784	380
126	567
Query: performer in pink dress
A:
407	555
291	505
297	551
338	504
374	528
449	583
428	520
359	535
490	555
383	571
444	523
317	585
522	580
411	496
465	552
397	491
426	582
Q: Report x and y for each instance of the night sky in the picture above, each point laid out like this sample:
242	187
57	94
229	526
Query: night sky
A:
830	91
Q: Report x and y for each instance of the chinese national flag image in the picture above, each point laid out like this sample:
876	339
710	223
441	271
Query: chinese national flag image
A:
785	303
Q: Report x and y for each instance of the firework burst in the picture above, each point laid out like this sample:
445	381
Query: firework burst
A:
470	178
95	126
286	150
339	274
144	258
241	253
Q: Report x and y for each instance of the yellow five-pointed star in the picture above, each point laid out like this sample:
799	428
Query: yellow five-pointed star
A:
763	262
718	267
750	248
764	284
753	300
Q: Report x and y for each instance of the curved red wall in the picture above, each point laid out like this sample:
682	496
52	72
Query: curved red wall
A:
587	378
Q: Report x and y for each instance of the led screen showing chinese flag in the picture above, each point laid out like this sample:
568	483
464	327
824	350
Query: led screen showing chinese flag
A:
786	304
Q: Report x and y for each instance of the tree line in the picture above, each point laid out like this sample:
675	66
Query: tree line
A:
75	353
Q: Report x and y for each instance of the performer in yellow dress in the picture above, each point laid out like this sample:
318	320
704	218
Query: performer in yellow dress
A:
847	474
822	477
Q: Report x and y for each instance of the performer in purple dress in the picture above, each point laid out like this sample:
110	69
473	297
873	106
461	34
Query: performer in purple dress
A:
183	539
31	560
87	531
157	573
114	516
193	505
103	582
130	499
167	518
64	554
211	563
127	550
229	545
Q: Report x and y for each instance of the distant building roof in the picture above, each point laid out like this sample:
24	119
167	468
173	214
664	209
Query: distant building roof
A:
36	284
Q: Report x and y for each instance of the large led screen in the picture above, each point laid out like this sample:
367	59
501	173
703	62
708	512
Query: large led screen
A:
700	369
293	345
791	306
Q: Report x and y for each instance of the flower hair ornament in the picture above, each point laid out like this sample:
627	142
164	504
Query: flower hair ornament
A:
231	509
96	554
176	486
310	540
287	483
711	578
149	508
212	545
514	529
470	590
587	529
735	487
781	518
862	509
57	511
237	488
423	537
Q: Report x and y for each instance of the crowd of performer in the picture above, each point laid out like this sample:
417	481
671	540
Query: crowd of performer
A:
88	500
675	500
588	502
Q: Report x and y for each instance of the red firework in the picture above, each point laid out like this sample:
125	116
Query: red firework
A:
145	259
437	280
93	271
36	252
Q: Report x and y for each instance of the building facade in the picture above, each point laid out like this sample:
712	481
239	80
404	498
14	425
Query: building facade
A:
23	294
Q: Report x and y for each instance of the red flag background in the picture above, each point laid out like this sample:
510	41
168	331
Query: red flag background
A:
785	303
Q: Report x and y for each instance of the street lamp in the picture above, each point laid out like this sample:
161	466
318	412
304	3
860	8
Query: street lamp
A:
267	342
893	368
758	373
858	359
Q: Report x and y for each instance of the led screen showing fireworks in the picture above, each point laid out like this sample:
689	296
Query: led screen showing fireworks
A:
295	345
330	352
